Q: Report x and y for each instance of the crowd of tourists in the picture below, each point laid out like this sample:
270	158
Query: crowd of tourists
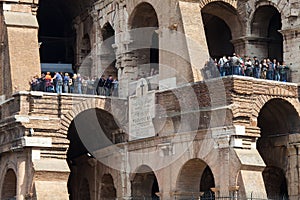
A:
65	83
264	69
108	86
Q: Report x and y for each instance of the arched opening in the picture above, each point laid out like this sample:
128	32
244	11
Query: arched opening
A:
267	30
108	190
9	186
277	120
84	191
89	131
63	35
195	180
220	23
143	24
55	32
144	184
275	183
107	54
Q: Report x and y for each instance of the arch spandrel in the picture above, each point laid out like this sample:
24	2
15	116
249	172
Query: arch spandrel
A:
272	93
203	3
133	9
114	107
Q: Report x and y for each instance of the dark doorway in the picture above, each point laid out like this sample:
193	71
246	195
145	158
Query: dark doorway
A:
277	120
56	35
108	190
196	183
144	24
218	36
9	186
144	185
108	57
267	29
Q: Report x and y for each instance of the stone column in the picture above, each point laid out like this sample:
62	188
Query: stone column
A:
293	172
125	175
127	72
95	45
251	46
195	37
291	48
21	59
23	174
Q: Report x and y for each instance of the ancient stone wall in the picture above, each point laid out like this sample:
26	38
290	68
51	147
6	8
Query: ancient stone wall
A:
219	129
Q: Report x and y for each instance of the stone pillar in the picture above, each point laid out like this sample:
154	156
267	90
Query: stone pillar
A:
125	175
51	179
293	172
195	37
251	46
23	175
20	59
127	72
291	49
95	43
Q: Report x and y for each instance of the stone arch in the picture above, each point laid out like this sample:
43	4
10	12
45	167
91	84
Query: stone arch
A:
108	189
277	92
143	23
153	20
203	3
280	115
107	52
84	190
77	108
277	120
194	180
92	130
9	185
226	11
267	29
144	183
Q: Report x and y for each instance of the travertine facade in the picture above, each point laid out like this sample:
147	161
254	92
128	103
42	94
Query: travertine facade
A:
231	136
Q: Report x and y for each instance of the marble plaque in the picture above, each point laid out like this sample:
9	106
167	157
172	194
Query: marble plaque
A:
141	112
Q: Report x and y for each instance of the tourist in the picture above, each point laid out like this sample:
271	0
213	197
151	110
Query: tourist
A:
115	87
284	69
256	68
235	63
108	85
100	86
59	82
73	85
276	70
78	81
90	86
34	83
222	65
48	83
66	82
264	68
248	67
270	71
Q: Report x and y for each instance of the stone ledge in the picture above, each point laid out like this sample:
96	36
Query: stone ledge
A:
36	142
250	159
51	165
20	19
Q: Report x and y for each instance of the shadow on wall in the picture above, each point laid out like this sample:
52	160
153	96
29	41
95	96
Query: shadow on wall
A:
210	70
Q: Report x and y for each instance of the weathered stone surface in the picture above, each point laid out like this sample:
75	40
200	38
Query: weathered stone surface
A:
234	136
